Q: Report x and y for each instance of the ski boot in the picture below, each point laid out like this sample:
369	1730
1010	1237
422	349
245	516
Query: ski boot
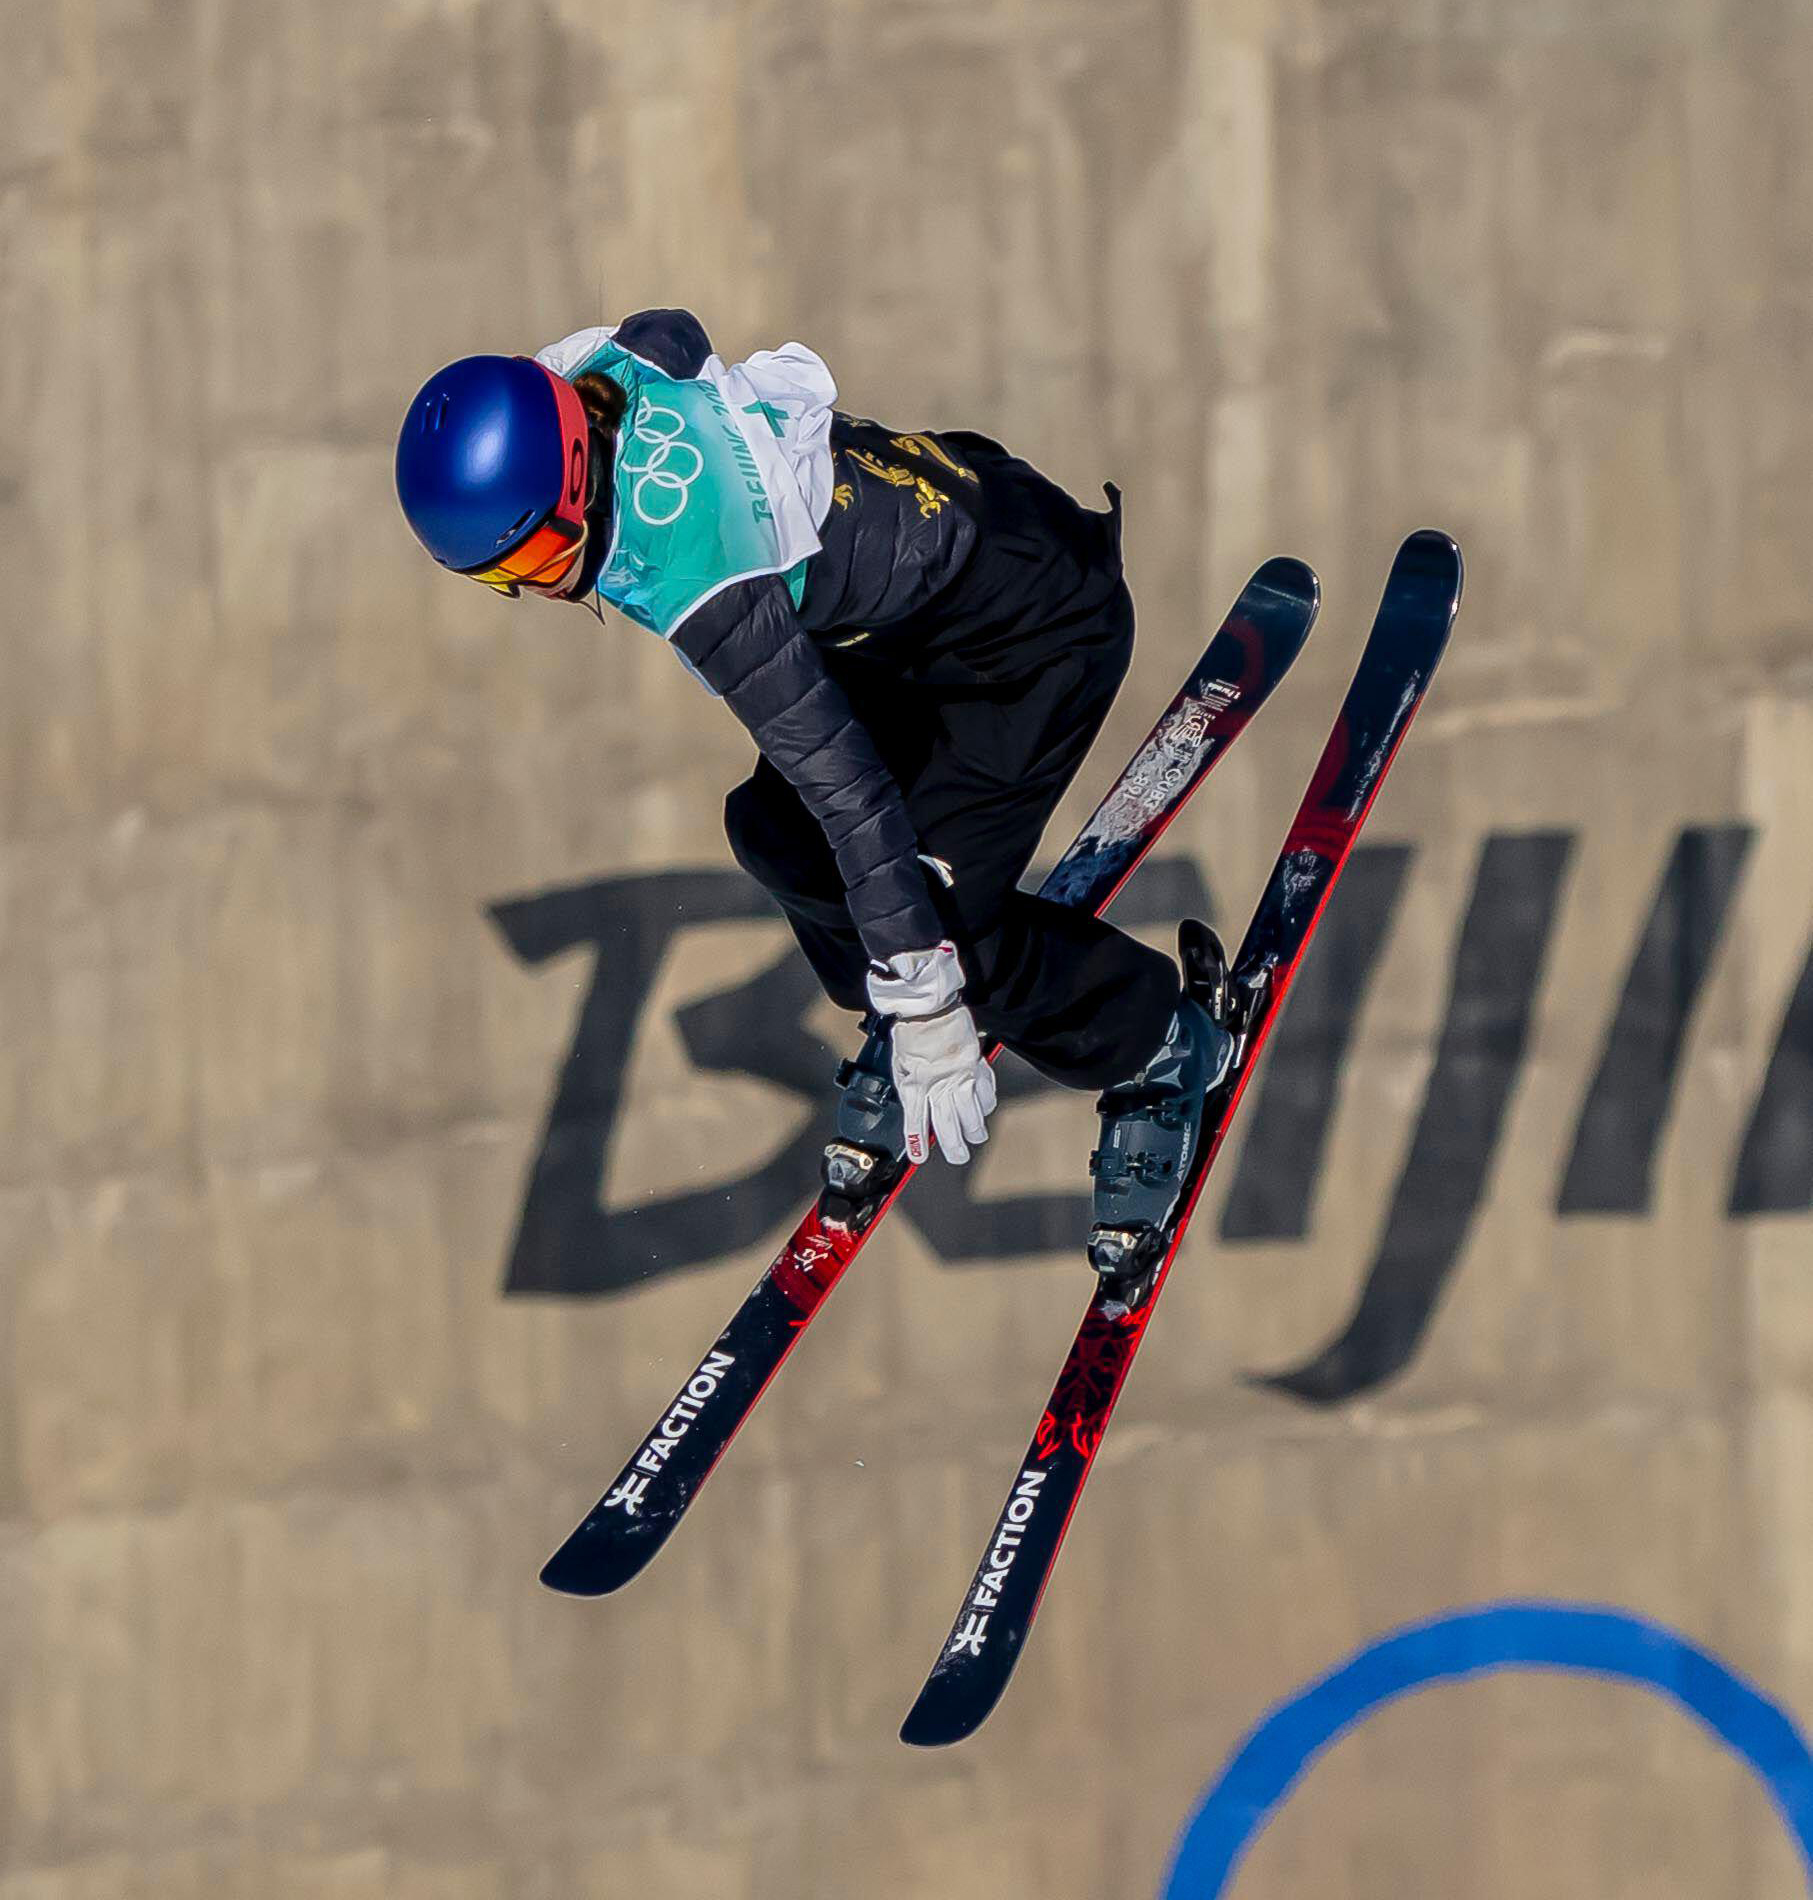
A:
867	1150
1152	1123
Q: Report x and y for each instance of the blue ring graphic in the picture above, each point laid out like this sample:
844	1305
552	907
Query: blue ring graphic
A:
1578	1638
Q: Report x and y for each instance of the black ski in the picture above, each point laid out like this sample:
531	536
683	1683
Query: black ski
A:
1407	640
1262	635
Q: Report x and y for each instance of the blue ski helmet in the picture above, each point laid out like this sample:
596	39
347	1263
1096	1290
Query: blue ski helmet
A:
491	448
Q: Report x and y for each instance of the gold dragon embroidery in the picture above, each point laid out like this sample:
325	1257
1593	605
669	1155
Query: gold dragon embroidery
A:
926	446
931	502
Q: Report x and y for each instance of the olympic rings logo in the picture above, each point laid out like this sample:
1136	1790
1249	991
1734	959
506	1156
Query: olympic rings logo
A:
667	470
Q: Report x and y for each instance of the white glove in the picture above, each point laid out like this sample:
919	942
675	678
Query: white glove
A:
939	1073
941	1079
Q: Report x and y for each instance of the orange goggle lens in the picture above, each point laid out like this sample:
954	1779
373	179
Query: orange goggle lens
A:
545	559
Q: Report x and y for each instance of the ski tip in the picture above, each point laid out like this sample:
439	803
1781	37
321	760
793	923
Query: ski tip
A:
924	1728
575	1570
1289	575
1295	581
952	1705
1433	550
570	1581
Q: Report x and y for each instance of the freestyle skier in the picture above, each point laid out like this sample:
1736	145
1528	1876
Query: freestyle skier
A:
923	635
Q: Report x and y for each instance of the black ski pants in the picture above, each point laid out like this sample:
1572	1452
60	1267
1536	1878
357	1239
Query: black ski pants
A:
982	766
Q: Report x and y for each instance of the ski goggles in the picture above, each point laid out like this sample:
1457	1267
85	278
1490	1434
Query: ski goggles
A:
544	563
547	558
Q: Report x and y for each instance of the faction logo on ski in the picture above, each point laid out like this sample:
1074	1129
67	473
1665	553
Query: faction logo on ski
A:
985	1594
630	1489
807	1273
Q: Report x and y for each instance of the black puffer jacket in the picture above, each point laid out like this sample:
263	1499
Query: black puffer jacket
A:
749	646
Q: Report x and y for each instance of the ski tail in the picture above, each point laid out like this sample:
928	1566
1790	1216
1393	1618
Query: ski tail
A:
1408	638
1250	653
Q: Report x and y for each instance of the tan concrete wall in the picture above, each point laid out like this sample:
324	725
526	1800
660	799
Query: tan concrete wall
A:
279	1460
